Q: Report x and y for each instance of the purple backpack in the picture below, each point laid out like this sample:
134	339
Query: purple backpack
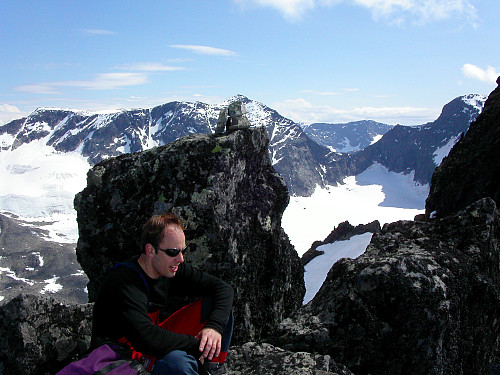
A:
106	359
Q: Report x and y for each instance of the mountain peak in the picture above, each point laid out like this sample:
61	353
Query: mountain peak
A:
474	100
237	97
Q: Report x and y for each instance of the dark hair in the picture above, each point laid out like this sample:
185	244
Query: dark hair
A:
152	230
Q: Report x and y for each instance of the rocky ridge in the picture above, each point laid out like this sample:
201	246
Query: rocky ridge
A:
417	149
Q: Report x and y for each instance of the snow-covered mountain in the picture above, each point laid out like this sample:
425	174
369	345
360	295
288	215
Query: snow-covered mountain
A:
302	160
100	136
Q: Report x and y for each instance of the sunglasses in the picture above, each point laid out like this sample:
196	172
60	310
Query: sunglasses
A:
171	252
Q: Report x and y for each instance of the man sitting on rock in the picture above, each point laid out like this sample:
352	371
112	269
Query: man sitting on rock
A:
197	334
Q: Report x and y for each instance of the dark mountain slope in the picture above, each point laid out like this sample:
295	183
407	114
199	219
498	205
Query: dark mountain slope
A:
404	149
472	169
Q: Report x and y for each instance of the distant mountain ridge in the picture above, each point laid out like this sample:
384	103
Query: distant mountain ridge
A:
304	158
420	149
347	137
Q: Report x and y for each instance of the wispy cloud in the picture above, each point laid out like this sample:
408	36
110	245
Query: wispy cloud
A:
205	50
291	10
420	12
301	110
105	81
488	75
328	93
152	67
95	32
392	11
321	93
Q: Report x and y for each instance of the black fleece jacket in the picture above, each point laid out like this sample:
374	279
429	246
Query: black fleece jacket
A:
121	308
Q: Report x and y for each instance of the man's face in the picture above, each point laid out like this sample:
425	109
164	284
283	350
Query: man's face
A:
173	238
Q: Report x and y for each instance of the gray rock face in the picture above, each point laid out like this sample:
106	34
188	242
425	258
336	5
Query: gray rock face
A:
39	335
423	299
256	359
231	199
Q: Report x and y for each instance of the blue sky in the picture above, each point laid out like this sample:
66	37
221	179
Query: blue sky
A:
394	61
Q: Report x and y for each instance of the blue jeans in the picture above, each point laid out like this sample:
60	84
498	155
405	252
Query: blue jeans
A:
176	362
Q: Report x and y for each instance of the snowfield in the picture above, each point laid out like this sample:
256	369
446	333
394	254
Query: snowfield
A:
39	185
317	268
375	194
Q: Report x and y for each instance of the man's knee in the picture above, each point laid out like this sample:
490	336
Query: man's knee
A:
176	362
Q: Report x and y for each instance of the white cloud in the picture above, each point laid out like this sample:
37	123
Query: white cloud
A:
105	81
393	11
420	12
488	75
38	88
152	67
9	112
94	32
205	50
301	110
110	81
291	10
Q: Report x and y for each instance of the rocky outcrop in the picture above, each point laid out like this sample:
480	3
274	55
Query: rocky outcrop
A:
256	359
39	335
231	199
343	232
423	299
472	169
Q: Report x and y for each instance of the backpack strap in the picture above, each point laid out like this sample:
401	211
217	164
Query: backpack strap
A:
111	367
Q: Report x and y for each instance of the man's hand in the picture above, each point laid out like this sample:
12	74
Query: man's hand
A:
210	343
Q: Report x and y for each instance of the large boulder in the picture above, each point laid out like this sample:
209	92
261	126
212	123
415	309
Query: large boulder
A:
232	201
471	170
423	299
39	335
